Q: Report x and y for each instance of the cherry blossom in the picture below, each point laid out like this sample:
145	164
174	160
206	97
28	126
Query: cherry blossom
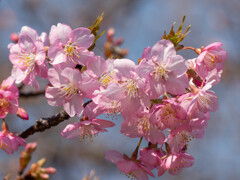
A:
70	46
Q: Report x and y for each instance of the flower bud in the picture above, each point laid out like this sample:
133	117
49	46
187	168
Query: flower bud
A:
14	37
50	170
22	113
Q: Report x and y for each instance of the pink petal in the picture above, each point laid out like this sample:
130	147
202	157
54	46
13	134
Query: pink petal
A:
82	37
113	156
59	34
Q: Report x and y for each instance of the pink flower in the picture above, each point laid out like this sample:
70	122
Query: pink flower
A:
211	57
102	70
28	58
70	46
139	125
175	162
8	85
8	97
163	70
8	141
170	114
86	128
151	156
201	99
126	89
8	103
132	168
69	87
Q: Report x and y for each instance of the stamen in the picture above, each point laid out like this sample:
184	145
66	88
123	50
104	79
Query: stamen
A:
4	106
160	72
167	114
144	124
71	50
131	88
27	60
68	91
107	79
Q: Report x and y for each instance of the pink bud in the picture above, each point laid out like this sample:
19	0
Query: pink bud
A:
31	147
14	37
110	34
22	114
44	176
50	170
4	127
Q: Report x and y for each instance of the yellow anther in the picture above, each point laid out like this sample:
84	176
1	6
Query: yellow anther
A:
68	91
160	72
131	88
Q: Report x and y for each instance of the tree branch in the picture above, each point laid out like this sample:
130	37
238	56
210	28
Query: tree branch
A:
31	94
46	123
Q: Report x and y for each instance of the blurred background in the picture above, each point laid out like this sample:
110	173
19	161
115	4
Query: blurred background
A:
141	23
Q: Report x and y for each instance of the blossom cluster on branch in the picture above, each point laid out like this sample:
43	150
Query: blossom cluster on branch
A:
164	99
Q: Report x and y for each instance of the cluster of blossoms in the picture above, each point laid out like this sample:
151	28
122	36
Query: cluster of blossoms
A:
164	99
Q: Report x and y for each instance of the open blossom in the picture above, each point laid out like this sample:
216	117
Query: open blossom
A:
151	156
211	57
174	163
70	46
163	70
102	70
8	97
201	99
170	114
28	58
8	85
126	90
69	87
133	169
86	128
139	125
8	103
8	141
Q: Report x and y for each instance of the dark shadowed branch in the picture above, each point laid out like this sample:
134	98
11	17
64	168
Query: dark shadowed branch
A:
32	94
45	123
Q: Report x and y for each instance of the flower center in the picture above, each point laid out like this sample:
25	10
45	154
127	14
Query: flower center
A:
144	124
4	106
107	79
167	114
211	59
183	138
160	72
71	50
27	61
131	88
88	132
69	91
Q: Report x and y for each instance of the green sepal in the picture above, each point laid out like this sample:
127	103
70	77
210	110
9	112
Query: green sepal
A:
156	101
177	37
94	30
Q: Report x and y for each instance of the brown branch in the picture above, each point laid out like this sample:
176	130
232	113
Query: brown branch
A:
46	123
31	94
